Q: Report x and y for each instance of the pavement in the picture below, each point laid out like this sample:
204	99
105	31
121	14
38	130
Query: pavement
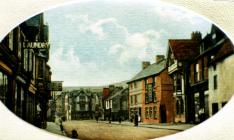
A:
177	127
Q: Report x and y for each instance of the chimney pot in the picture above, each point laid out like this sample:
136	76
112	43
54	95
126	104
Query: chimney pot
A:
145	64
159	58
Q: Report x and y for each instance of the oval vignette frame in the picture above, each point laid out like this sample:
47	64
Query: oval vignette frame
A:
191	131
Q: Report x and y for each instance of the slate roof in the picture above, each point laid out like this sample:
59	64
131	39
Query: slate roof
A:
184	49
152	69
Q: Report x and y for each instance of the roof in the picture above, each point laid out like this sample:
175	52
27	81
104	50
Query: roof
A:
225	50
184	49
152	69
117	93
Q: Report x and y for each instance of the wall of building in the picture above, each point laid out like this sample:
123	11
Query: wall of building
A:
166	97
225	88
163	90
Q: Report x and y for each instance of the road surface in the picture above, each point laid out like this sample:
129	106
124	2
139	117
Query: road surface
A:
90	130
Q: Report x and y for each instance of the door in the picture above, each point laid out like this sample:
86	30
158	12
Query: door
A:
163	114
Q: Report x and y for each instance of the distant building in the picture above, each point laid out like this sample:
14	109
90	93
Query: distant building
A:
117	103
150	93
80	104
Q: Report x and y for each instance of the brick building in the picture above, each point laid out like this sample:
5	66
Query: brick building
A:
154	94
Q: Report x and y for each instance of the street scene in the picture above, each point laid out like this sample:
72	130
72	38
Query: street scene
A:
137	72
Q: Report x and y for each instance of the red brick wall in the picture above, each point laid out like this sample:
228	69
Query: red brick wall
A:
167	95
164	95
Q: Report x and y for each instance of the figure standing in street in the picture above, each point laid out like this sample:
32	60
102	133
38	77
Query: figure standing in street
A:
74	134
97	116
61	125
136	119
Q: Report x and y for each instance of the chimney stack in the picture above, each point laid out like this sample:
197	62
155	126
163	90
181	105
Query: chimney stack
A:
159	58
145	64
196	36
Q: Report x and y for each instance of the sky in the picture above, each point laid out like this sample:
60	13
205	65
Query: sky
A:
101	42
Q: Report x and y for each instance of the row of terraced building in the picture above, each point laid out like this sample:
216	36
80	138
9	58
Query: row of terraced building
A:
189	85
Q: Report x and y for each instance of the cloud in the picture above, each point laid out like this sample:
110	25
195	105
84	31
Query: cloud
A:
97	27
171	13
139	46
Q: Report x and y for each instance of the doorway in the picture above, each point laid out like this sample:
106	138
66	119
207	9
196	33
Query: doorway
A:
163	114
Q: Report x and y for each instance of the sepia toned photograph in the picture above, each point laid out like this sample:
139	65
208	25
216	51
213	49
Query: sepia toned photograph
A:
110	70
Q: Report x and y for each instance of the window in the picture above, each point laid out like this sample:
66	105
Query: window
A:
178	83
11	41
136	99
215	82
135	84
223	104
215	108
151	112
40	68
149	96
197	76
131	100
179	106
214	67
82	107
26	59
146	113
155	112
82	98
